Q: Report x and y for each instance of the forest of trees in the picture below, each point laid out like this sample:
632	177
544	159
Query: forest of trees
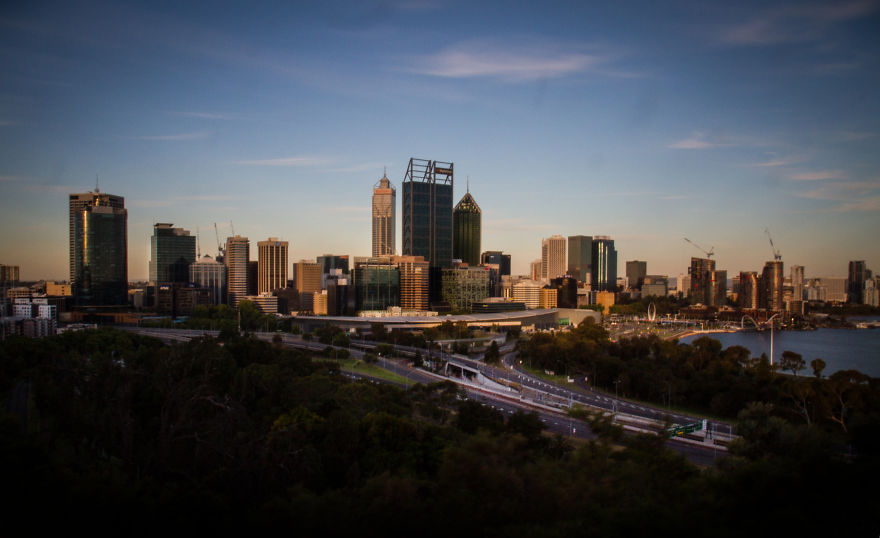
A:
107	430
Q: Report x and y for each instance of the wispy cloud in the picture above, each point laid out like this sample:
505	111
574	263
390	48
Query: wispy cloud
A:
676	197
848	196
701	140
204	115
286	161
778	161
794	23
359	167
176	200
176	136
818	176
485	59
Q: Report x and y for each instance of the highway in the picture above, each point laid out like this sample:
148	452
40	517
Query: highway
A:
555	420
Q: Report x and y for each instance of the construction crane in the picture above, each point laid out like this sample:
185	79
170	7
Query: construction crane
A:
709	253
220	249
776	255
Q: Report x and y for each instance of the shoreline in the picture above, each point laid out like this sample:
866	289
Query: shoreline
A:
693	333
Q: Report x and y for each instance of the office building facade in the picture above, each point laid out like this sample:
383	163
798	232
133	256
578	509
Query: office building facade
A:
210	274
499	258
858	274
553	257
377	283
580	256
466	221
635	274
747	297
463	286
414	282
427	211
99	247
603	273
271	265
238	252
771	291
172	251
384	223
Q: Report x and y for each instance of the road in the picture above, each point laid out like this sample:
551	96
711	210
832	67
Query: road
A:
555	421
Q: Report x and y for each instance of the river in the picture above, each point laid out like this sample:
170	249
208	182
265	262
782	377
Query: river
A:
841	349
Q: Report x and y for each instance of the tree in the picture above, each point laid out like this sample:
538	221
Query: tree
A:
818	365
792	361
379	332
492	356
370	358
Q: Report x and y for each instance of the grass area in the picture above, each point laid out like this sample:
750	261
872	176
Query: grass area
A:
561	381
358	366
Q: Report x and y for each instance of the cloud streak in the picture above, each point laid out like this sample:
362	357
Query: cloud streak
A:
481	59
286	161
700	140
196	135
818	176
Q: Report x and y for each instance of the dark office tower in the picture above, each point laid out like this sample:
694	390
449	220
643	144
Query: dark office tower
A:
770	289
99	249
748	290
384	227
604	264
237	259
172	251
427	217
635	274
499	258
329	262
377	284
566	291
580	256
855	284
466	231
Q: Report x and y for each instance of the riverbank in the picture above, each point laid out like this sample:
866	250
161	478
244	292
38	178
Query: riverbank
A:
688	333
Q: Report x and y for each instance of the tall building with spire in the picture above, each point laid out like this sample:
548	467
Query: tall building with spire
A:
466	219
98	249
384	229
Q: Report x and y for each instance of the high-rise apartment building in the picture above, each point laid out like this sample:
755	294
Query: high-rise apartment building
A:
580	256
466	219
635	274
748	290
770	291
172	251
414	282
553	260
98	249
271	265
427	211
384	229
603	274
238	253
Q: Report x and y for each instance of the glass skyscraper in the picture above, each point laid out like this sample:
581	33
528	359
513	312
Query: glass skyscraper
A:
604	264
172	251
466	231
99	249
427	211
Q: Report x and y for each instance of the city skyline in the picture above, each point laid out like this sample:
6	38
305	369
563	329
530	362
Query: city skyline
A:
707	122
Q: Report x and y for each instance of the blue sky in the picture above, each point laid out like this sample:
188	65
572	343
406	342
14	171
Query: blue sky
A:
644	121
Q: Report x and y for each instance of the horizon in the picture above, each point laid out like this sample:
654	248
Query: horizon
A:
706	122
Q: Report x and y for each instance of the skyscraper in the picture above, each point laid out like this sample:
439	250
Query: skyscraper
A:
580	256
209	273
427	217
603	273
99	249
78	202
172	251
271	265
384	229
858	273
238	254
770	289
748	290
466	230
307	276
427	211
414	282
707	286
553	260
635	274
499	258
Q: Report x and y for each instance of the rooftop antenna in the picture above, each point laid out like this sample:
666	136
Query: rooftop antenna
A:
468	184
198	246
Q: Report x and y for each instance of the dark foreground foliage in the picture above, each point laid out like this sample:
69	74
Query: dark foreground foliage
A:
112	432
